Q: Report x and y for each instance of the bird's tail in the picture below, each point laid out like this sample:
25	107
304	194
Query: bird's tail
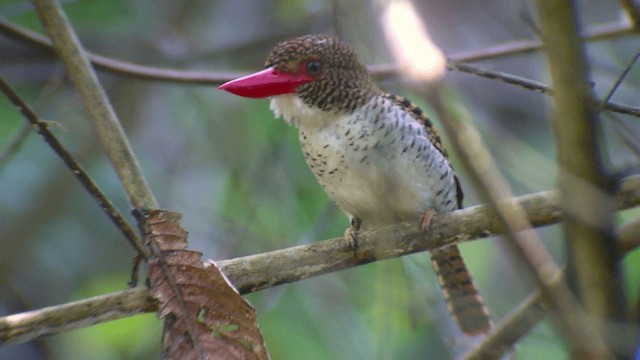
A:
461	296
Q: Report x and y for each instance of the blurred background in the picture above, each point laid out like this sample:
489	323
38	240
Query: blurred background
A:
239	178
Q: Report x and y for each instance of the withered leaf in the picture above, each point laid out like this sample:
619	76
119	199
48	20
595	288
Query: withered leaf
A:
204	316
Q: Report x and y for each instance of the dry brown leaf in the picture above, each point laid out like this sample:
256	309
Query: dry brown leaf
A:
204	316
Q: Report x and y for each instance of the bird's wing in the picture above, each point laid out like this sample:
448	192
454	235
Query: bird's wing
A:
432	134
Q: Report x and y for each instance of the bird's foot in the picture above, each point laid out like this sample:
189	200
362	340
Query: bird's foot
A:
351	234
425	219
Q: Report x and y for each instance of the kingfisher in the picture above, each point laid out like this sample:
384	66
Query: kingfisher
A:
375	154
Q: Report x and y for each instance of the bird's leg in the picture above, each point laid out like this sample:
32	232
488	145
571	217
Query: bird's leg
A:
351	233
425	219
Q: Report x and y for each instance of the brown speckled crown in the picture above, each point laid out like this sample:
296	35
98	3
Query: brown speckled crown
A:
343	85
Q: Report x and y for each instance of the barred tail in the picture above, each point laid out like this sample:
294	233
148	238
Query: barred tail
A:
461	296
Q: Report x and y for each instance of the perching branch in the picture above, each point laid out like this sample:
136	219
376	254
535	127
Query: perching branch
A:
261	271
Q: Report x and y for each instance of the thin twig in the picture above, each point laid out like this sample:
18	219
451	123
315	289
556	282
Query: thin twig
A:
379	71
77	169
599	33
53	84
96	103
616	84
389	70
625	132
521	47
531	85
124	67
257	272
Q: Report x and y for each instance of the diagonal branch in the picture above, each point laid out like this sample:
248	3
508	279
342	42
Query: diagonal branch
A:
78	171
262	271
525	246
96	103
516	324
532	310
389	70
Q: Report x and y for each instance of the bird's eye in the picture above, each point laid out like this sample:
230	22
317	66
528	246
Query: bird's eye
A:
313	67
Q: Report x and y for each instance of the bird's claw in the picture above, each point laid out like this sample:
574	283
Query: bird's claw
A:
351	234
425	219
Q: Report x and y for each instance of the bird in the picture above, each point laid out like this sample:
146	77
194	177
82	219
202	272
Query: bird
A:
375	154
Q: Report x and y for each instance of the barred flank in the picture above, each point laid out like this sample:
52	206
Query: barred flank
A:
461	296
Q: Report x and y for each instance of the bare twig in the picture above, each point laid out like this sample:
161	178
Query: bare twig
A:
21	135
379	71
520	47
598	33
583	183
618	81
123	67
77	170
389	70
261	271
96	103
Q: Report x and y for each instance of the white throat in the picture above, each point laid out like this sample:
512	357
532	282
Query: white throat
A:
295	112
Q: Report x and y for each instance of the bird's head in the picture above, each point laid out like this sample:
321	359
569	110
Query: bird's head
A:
319	70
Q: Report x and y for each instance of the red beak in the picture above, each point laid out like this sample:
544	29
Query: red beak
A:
265	83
